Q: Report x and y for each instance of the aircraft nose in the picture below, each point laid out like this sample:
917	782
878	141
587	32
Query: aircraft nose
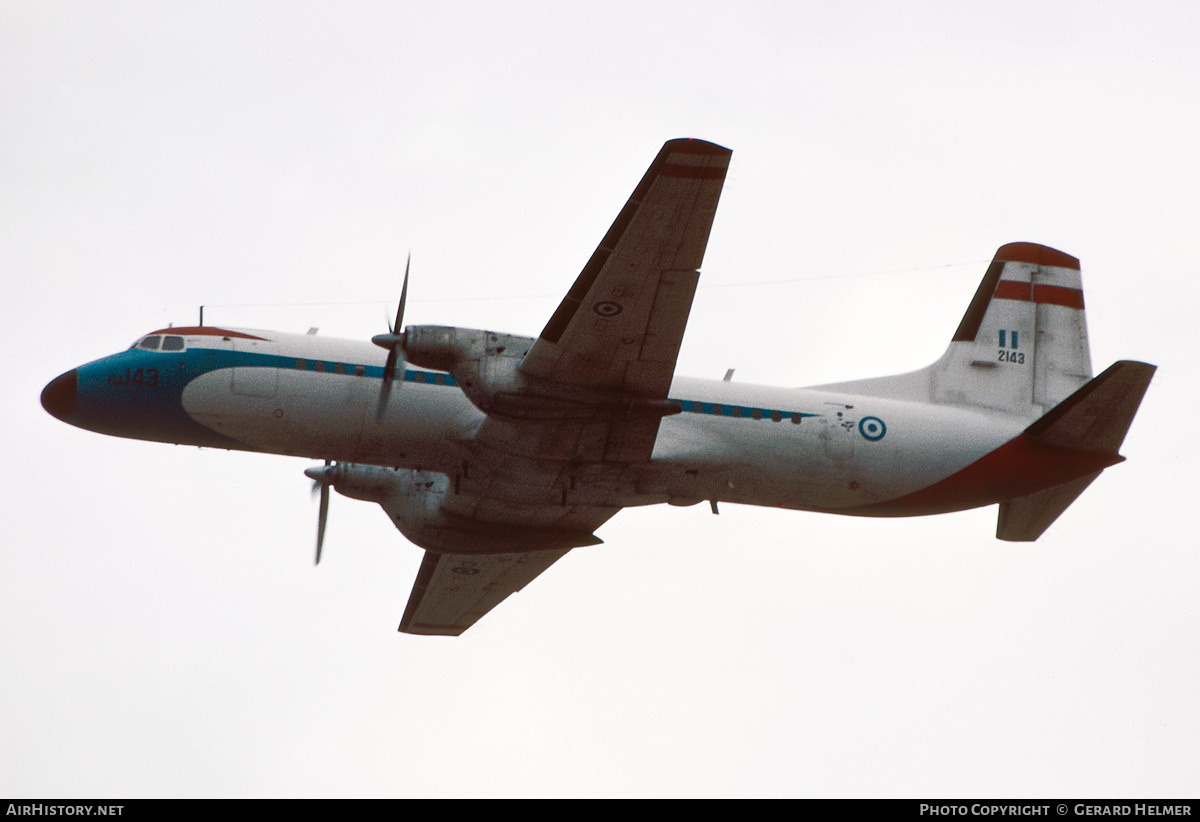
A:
59	396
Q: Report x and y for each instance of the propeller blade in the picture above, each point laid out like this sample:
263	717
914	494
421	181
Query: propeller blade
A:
394	342
399	326
322	479
389	376
322	518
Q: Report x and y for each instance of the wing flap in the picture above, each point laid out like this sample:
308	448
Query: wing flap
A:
452	591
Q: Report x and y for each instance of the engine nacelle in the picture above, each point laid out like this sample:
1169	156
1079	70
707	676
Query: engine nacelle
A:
414	502
483	363
413	499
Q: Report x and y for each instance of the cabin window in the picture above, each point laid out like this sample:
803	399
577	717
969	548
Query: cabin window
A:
756	413
796	418
318	366
776	416
359	371
339	368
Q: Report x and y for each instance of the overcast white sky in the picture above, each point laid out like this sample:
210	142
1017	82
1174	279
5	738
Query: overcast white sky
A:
164	631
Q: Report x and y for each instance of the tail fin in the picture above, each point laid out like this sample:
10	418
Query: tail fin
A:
1022	346
1023	341
1093	420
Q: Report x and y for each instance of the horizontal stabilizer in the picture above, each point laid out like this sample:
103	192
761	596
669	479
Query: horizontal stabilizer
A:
1026	518
1094	419
1097	416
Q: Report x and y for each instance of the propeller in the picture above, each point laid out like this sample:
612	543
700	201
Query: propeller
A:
322	478
393	341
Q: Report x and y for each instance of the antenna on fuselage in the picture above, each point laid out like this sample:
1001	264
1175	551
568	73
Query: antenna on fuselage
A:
201	316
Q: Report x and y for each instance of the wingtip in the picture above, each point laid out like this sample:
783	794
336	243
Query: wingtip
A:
694	145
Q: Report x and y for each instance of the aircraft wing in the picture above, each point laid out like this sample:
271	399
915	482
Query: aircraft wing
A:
547	467
482	543
452	591
620	325
608	352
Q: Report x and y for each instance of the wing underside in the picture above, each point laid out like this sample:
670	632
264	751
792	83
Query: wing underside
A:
553	462
620	325
452	591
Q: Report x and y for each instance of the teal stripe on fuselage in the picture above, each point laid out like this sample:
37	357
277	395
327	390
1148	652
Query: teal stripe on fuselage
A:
748	412
221	358
139	393
250	359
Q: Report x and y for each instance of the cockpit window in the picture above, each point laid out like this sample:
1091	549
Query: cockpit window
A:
159	342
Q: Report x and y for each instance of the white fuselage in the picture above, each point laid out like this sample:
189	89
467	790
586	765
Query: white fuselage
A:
797	448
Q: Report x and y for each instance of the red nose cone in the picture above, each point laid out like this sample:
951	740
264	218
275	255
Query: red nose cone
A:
59	396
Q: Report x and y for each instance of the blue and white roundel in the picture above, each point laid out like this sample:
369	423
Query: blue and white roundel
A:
872	428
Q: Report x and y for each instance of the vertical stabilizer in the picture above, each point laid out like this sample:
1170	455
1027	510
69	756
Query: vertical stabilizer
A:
1021	347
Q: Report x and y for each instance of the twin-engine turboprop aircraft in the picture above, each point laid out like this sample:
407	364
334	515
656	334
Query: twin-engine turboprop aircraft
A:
498	454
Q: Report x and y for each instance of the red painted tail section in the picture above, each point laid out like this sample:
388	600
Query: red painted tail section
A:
1094	420
1036	475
